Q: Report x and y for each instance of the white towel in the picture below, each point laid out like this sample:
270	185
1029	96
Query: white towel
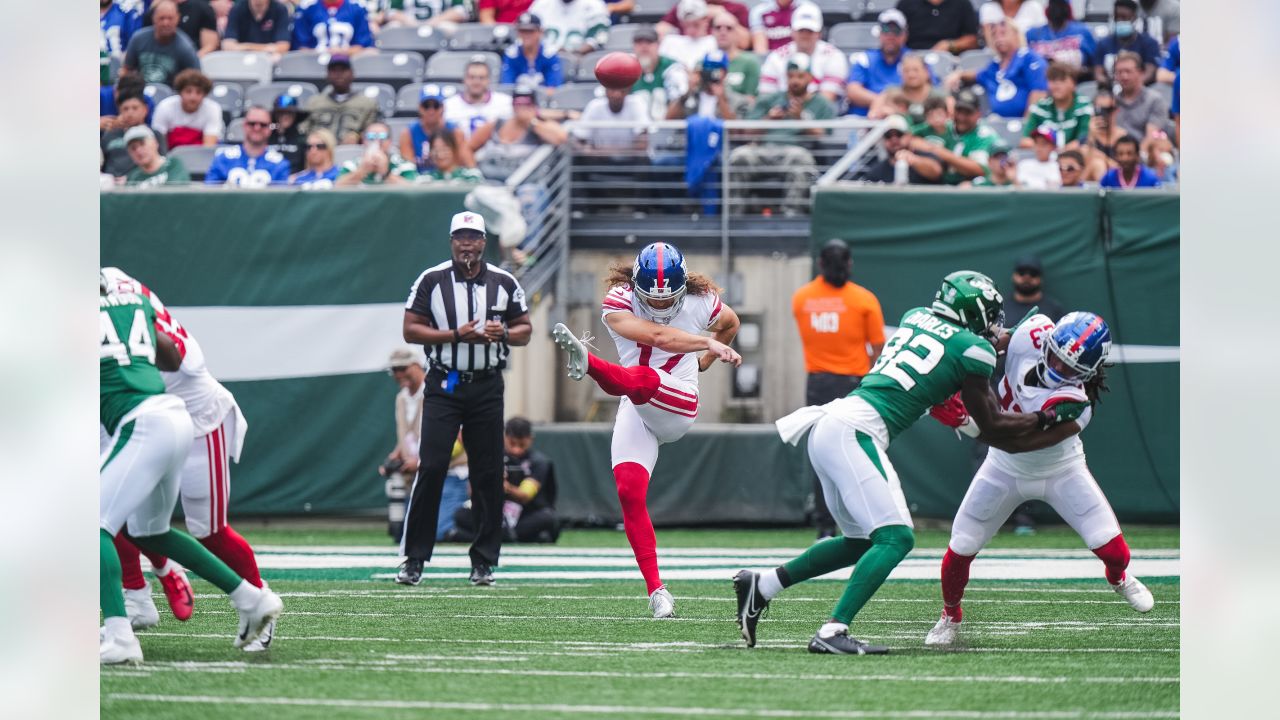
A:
793	427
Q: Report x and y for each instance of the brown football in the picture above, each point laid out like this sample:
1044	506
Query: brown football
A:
618	70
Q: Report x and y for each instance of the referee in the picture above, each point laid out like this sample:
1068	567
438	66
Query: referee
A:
467	314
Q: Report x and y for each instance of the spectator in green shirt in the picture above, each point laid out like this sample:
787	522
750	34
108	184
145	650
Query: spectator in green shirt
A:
1064	113
444	163
151	169
380	164
744	67
967	152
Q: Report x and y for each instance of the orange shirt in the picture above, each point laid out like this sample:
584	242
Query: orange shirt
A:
836	325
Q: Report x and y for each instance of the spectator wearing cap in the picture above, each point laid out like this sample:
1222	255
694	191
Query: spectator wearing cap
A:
338	108
709	93
107	94
874	70
968	142
941	25
1015	79
1002	172
770	24
694	40
781	151
444	163
1065	113
131	113
662	79
415	140
1025	14
923	167
478	103
827	63
332	26
505	143
287	138
1124	36
251	164
115	27
189	117
744	66
1129	172
196	20
529	62
160	52
502	12
380	164
414	13
1028	292
575	26
319	172
740	37
1041	172
1064	41
151	169
258	25
1071	168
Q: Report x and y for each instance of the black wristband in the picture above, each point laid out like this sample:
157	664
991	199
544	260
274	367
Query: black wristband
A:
457	337
1043	417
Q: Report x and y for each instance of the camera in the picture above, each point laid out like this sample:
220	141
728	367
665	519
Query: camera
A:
710	76
394	466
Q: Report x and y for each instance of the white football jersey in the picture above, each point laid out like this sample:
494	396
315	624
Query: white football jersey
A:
1026	348
830	69
696	315
207	401
470	116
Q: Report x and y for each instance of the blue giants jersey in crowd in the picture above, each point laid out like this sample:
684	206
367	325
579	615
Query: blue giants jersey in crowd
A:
319	27
1173	58
1008	89
546	70
1075	45
870	69
116	27
233	166
312	180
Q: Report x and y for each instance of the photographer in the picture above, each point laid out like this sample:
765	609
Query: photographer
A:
529	482
1103	134
709	94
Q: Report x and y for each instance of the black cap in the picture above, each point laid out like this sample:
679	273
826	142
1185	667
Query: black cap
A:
969	99
1028	262
528	21
339	59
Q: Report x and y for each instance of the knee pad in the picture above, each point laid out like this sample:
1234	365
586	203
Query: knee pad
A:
898	537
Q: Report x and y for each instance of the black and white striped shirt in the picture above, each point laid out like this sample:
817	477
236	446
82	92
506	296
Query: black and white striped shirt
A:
448	301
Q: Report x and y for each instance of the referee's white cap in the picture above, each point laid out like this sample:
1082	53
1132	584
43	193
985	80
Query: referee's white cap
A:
466	220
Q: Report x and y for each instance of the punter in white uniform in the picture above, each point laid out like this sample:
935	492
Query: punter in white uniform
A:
655	311
1045	364
205	489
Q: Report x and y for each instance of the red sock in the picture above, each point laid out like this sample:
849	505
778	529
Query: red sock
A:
130	563
955	576
637	383
234	550
1115	555
633	486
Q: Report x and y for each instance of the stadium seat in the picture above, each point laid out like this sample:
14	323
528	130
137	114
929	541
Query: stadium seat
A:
266	94
620	37
1009	129
575	96
398	126
235	132
303	65
1099	29
381	93
113	69
650	11
1087	90
942	64
871	9
423	39
345	153
585	71
196	158
853	36
475	36
835	12
450	65
974	60
407	97
1098	10
396	69
230	97
157	92
237	66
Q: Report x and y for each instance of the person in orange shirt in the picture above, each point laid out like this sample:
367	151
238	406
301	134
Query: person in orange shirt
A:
842	332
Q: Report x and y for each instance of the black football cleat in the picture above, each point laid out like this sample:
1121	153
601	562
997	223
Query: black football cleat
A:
842	644
482	575
410	572
751	603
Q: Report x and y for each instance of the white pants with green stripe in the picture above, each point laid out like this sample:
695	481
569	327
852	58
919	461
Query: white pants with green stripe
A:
846	448
142	467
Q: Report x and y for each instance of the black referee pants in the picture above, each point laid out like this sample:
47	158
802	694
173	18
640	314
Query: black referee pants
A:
820	389
476	407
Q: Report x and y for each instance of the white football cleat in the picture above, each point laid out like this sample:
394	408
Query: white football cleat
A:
255	620
1135	593
568	342
119	648
943	634
263	641
662	604
140	608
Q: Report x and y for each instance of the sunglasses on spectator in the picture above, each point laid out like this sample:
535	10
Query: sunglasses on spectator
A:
432	104
893	134
1069	168
317	146
376	136
398	369
1029	272
256	124
721	27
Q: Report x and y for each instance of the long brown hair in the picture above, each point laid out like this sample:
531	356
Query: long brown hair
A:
695	283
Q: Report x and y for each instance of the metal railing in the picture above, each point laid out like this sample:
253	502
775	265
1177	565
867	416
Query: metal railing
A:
541	185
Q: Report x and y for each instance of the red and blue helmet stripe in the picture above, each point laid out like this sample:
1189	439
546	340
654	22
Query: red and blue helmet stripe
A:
1082	341
658	275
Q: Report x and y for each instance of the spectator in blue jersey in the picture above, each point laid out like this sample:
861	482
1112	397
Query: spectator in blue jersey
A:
1175	108
873	71
329	25
528	62
1124	35
1015	80
251	164
125	85
258	25
115	27
1063	40
1171	64
415	140
320	172
1131	173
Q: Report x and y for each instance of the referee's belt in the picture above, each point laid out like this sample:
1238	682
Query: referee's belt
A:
466	376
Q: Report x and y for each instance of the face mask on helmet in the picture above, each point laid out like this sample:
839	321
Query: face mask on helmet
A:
1073	352
658	278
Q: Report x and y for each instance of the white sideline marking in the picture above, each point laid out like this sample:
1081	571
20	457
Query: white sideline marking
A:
363	704
487	595
709	552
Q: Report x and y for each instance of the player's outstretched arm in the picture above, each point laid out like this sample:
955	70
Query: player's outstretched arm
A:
724	329
668	339
1035	440
980	401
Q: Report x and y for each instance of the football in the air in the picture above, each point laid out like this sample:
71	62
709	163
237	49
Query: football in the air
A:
618	70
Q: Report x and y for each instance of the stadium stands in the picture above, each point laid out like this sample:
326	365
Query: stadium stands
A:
196	158
396	69
266	93
238	66
451	64
382	93
230	97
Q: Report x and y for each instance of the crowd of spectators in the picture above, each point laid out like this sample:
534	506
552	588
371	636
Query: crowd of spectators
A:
1084	96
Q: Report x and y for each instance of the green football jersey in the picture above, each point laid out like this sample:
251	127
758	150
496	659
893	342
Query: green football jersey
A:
127	372
923	364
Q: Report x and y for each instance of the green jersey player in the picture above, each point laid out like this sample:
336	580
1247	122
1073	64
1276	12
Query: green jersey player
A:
140	469
936	352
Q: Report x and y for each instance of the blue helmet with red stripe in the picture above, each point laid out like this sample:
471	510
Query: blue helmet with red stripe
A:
1080	342
659	276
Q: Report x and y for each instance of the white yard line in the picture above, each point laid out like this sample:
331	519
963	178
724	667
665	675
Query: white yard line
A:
489	595
711	552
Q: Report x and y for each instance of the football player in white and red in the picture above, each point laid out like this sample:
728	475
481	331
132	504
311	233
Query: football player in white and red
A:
206	476
1045	364
655	311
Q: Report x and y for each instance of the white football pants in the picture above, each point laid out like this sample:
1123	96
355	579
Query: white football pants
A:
142	465
858	481
640	429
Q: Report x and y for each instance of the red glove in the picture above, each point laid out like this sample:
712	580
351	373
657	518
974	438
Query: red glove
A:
950	412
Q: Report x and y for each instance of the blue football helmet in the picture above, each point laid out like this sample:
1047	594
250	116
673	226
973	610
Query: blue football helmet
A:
1081	341
659	275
